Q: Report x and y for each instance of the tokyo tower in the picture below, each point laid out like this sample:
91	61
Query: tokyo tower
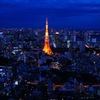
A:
46	47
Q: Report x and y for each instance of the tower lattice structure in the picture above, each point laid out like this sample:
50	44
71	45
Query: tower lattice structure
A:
46	47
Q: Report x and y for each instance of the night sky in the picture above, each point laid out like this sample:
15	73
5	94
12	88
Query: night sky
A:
61	13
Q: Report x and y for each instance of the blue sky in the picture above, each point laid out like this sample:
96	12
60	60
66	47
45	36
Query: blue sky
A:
61	13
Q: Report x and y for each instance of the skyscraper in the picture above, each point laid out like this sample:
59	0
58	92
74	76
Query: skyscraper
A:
46	47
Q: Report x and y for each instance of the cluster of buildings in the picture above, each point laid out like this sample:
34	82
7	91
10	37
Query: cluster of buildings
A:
61	64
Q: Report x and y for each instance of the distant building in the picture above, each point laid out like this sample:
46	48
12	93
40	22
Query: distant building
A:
95	38
68	43
1	41
57	40
1	34
74	38
82	46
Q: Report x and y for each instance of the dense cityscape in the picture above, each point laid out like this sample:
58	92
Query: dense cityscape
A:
49	49
54	64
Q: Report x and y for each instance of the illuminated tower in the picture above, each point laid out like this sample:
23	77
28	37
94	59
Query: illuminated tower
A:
46	47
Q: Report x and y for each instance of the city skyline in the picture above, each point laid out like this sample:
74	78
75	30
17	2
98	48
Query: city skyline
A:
61	14
49	63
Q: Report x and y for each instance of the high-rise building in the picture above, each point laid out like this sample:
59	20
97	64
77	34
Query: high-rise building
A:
82	46
46	47
1	41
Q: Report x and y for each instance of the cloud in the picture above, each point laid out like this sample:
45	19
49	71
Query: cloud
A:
28	11
49	3
54	7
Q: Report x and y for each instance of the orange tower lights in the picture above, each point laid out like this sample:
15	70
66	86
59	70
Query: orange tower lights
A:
46	47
